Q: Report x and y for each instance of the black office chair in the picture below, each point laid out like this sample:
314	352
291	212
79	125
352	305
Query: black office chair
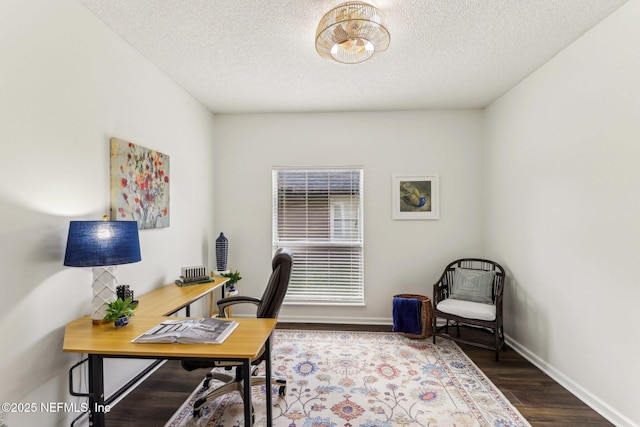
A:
267	307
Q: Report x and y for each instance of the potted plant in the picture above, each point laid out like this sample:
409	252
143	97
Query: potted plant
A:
234	277
119	311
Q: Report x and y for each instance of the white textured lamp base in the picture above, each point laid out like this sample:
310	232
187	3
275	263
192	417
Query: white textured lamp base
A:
104	292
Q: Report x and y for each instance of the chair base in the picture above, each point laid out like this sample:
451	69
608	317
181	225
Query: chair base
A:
499	337
231	383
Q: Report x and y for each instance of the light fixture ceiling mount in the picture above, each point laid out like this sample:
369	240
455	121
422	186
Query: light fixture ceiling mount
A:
352	33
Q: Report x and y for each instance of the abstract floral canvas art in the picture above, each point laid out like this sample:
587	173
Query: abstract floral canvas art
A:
139	185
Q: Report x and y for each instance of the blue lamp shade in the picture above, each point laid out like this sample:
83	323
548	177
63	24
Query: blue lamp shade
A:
102	243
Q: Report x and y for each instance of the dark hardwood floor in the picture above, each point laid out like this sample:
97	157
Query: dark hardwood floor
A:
542	401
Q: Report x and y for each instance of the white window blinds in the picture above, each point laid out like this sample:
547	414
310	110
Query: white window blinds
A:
317	213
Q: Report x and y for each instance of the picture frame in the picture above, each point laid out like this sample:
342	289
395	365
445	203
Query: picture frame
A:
415	196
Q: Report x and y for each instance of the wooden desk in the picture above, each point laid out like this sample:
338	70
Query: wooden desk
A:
102	341
171	298
81	336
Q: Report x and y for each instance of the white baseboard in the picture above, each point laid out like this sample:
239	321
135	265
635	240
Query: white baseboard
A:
336	320
340	320
594	402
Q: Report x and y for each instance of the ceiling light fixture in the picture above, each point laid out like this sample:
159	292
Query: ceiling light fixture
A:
352	33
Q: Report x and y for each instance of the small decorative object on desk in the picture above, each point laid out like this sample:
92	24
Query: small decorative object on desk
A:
234	277
222	252
119	311
193	276
123	292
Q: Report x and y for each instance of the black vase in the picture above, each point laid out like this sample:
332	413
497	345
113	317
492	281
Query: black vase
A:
222	251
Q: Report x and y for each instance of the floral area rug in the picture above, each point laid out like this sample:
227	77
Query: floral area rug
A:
365	379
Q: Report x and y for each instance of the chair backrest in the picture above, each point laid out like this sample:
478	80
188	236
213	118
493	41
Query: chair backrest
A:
276	289
477	264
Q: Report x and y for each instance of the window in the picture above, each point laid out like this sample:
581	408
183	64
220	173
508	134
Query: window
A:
317	213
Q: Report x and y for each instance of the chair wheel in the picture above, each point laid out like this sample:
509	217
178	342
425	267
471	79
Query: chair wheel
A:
282	390
197	407
207	381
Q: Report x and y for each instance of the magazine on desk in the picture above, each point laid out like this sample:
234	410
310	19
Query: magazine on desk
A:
189	331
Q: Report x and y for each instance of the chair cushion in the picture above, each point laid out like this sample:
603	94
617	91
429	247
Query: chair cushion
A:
468	309
473	285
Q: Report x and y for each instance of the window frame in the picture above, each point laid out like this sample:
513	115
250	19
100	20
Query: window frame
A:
340	258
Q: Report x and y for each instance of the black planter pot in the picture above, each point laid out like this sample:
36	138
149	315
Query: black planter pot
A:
121	321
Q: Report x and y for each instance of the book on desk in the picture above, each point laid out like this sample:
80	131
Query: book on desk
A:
189	331
183	282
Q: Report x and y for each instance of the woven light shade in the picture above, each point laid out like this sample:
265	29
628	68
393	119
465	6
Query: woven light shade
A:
351	33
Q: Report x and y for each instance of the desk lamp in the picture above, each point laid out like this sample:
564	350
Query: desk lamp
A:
102	245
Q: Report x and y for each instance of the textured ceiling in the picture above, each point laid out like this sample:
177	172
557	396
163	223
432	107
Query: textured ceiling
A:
248	56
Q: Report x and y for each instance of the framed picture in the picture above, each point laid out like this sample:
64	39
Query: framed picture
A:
415	196
139	185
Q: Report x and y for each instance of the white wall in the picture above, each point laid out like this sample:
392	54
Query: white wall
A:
556	202
563	213
67	85
400	256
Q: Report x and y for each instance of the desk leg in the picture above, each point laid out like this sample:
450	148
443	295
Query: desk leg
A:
97	407
267	373
248	405
212	302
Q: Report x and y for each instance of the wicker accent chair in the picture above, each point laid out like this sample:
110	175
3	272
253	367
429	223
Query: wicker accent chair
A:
469	293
